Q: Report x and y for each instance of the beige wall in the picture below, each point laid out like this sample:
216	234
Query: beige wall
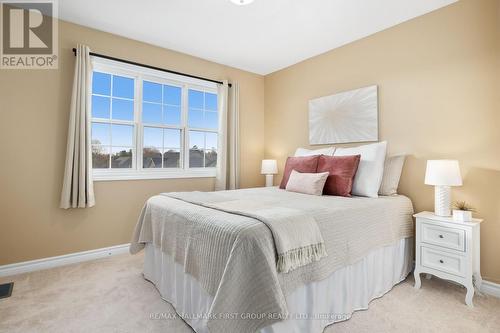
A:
439	92
34	118
439	80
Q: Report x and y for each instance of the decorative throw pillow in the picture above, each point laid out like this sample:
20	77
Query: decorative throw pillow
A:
392	173
300	164
307	183
370	169
308	152
342	170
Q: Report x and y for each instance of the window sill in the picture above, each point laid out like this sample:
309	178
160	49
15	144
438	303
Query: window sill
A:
153	174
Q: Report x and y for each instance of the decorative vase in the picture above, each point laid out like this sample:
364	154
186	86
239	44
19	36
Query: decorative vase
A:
462	215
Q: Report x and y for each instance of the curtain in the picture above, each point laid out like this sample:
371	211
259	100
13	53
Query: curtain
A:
234	141
78	187
228	144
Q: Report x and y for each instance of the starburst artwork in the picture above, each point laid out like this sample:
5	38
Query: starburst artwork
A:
350	116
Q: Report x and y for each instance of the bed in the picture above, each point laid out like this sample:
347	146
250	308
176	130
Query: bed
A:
218	266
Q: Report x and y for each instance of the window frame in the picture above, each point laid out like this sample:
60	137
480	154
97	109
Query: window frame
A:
141	74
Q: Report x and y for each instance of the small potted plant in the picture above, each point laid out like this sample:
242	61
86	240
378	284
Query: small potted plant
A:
462	211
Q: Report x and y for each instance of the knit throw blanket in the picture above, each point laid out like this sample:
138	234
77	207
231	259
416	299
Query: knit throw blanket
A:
296	236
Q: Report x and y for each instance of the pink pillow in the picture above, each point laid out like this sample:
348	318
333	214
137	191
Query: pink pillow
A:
342	170
307	183
300	164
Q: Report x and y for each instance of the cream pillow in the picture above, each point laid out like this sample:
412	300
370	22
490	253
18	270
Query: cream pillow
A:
311	152
392	173
307	183
370	170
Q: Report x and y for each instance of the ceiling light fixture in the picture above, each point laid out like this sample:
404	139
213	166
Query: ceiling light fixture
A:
242	2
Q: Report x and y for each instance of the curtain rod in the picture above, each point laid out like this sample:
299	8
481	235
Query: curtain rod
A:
152	67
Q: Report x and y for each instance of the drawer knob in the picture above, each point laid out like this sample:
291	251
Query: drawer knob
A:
441	236
441	261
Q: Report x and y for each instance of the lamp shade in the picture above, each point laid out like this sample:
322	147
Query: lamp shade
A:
269	167
443	173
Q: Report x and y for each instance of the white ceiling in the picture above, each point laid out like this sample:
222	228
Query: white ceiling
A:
262	37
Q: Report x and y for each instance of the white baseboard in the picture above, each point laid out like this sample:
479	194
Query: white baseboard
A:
487	287
51	262
490	288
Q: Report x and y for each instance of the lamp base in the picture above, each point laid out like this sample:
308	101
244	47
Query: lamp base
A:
269	180
442	200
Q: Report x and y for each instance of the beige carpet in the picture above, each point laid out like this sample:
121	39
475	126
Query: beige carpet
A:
110	295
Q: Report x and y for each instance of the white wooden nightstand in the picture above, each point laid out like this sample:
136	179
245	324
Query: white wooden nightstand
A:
448	250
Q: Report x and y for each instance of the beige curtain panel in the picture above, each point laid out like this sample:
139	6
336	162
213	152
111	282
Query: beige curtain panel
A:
234	138
227	151
78	187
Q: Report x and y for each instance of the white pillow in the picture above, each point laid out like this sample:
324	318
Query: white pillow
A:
392	173
370	170
307	183
310	152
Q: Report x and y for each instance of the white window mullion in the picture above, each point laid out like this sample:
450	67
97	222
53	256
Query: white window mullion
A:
113	122
111	100
110	125
110	128
137	122
185	130
162	148
204	133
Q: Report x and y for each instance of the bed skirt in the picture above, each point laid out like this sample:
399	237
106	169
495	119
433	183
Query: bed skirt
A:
311	307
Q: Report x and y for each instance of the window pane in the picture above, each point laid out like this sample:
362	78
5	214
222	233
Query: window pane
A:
196	139
171	158
211	141
121	157
196	145
101	83
100	157
100	107
195	118
122	135
151	113
172	138
123	87
123	109
210	158
171	95
100	134
211	101
211	120
151	92
195	99
195	158
153	137
151	158
172	115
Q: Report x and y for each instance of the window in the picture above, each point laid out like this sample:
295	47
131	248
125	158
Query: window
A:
151	124
161	116
112	121
203	124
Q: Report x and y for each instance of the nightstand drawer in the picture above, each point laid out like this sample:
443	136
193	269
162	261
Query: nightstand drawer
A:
443	261
450	238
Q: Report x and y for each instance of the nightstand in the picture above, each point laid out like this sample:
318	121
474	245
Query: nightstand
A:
448	250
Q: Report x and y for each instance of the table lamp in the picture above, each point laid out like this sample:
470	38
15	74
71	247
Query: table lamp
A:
269	168
442	174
